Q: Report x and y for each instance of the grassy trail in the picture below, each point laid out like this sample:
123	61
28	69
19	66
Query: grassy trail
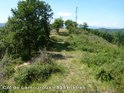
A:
76	75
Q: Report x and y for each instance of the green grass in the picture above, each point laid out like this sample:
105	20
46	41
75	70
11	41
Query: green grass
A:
76	74
87	61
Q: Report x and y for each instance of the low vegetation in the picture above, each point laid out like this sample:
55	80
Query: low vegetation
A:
36	73
32	54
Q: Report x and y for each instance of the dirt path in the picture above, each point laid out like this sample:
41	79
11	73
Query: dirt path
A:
79	74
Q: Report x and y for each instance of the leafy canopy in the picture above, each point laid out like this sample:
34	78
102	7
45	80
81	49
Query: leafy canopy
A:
30	26
71	25
58	23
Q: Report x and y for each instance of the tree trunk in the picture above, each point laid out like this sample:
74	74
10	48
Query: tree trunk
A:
57	30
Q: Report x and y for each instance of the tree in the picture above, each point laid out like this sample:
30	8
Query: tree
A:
30	25
85	26
58	23
70	25
119	38
104	34
2	41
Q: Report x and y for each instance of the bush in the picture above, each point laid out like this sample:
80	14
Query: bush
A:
108	66
86	43
107	36
8	71
104	75
36	73
2	90
98	59
31	34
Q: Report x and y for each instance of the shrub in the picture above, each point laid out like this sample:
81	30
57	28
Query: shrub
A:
32	33
104	75
107	36
8	71
96	59
108	65
2	90
86	43
36	73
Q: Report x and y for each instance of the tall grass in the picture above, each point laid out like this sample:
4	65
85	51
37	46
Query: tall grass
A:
36	73
106	59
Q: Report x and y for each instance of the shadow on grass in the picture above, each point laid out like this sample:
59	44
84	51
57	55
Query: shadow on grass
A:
59	46
63	34
57	56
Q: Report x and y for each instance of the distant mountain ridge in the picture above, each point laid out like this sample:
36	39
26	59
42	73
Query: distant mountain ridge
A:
104	27
108	29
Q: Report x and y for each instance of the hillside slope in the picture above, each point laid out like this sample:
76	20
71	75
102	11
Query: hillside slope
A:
89	64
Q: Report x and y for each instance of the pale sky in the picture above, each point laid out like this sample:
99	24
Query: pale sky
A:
108	13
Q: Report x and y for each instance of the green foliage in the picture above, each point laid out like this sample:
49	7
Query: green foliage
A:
119	38
3	44
103	34
55	46
36	73
7	66
28	30
105	59
109	65
58	23
104	75
71	26
116	37
30	27
83	26
2	90
84	42
8	71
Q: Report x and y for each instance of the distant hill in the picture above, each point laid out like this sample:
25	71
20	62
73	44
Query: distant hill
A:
103	27
2	24
110	30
